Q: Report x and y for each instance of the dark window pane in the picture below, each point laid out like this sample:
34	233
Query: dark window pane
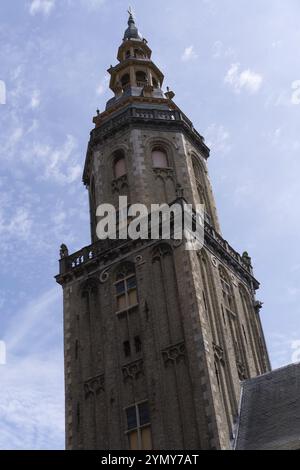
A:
131	283
127	350
144	414
120	287
131	418
138	344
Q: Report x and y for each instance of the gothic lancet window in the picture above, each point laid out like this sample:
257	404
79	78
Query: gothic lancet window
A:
92	196
237	336
159	158
126	289
119	165
139	427
201	186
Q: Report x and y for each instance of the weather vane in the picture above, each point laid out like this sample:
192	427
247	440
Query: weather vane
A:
130	11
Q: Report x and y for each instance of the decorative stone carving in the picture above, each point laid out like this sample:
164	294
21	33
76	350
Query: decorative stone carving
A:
179	191
177	243
64	252
163	249
174	354
241	371
104	276
219	353
94	386
139	259
234	281
133	370
120	184
258	305
164	173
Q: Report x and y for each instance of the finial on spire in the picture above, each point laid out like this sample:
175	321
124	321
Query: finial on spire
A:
132	31
131	16
130	11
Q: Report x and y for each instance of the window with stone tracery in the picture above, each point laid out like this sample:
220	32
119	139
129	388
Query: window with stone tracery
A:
139	427
201	186
126	289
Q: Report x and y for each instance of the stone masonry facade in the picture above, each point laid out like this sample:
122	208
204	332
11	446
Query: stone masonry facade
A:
190	330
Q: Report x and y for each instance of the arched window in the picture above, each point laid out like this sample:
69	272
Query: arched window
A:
125	80
159	158
198	172
92	194
155	82
126	288
119	165
226	290
127	55
141	78
138	54
201	187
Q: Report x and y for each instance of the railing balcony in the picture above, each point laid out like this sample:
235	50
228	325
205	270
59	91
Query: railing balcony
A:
141	84
101	248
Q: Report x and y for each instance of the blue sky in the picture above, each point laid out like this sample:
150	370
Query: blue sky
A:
235	69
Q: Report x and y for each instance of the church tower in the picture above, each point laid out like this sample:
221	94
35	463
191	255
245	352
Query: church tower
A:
157	338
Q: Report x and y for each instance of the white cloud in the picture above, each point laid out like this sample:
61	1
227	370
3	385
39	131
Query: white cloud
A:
189	54
295	99
32	392
218	139
2	92
19	225
102	87
57	164
35	99
296	348
220	50
41	6
92	4
246	79
284	348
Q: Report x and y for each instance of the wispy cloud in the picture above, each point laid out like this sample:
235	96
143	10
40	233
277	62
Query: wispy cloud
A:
220	50
92	4
32	395
102	86
57	163
218	139
35	99
295	99
243	80
189	53
2	92
41	6
284	348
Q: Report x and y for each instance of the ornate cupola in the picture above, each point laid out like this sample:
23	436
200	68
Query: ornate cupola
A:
131	32
135	78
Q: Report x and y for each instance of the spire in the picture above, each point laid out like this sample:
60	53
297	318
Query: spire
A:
131	32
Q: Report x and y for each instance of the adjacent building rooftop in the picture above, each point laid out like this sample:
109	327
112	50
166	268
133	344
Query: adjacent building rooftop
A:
270	411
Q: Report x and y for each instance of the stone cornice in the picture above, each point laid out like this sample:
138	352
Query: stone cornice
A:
132	116
104	252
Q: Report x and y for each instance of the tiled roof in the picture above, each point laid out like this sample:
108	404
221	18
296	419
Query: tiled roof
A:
270	411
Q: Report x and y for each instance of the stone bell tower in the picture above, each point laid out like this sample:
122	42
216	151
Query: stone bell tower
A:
157	338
